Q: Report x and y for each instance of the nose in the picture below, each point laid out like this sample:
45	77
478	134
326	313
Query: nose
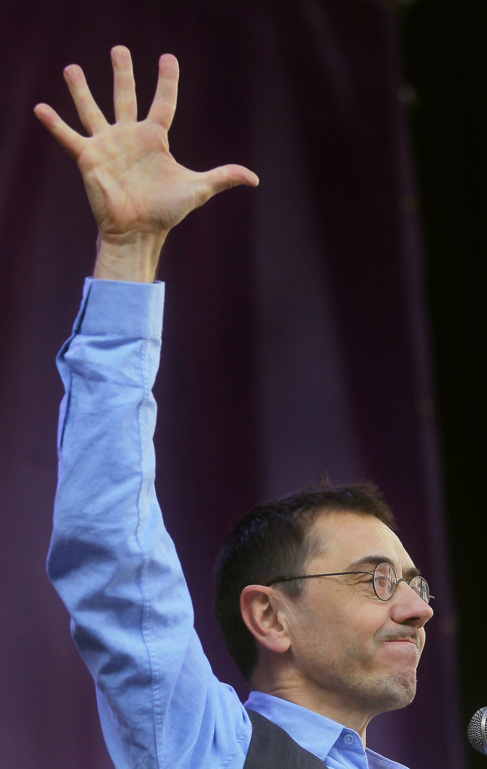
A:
408	607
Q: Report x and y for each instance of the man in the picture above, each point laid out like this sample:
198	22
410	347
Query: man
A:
321	605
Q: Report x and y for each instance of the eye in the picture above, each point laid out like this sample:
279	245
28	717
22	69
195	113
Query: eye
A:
384	580
368	581
370	585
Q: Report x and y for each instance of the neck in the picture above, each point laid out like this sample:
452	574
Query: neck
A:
325	703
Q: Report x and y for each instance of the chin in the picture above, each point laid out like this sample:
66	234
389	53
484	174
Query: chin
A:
399	691
392	693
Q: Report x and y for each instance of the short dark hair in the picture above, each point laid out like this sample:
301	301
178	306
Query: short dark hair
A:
274	540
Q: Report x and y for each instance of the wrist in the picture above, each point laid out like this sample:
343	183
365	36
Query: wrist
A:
130	257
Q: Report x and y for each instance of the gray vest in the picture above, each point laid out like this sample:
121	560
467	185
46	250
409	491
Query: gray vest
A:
272	748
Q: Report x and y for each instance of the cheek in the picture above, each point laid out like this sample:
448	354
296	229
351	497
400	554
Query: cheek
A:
341	620
311	625
368	623
353	623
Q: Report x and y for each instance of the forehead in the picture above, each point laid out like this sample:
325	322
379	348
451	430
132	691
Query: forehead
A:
343	538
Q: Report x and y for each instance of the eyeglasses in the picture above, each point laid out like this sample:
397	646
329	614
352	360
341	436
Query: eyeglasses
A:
384	580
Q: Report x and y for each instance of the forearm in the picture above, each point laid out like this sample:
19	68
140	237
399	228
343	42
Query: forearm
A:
111	559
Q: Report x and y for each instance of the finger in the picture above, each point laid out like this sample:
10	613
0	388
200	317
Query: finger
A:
69	139
124	98
224	178
90	114
164	104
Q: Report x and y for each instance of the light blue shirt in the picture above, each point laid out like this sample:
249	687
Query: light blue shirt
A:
116	568
336	745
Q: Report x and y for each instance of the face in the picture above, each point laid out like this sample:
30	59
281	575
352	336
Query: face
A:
354	655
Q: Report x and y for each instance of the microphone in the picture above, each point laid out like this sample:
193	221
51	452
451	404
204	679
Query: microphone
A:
477	732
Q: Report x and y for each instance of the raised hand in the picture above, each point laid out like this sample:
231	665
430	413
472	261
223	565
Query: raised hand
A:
136	189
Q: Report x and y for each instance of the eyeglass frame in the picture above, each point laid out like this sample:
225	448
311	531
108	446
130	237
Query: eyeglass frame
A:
372	573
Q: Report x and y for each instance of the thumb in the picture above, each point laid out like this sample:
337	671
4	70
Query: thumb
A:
223	178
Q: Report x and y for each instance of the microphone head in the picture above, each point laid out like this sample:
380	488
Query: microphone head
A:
477	735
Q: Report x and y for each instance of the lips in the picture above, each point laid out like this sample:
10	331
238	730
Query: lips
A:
402	639
407	648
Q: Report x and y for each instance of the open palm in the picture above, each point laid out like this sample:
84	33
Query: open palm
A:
134	184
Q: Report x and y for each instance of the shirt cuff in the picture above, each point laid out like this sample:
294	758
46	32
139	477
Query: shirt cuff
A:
119	307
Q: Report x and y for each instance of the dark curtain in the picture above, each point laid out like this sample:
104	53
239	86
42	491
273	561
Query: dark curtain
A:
296	340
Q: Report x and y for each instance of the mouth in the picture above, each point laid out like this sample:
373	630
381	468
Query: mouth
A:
403	646
411	638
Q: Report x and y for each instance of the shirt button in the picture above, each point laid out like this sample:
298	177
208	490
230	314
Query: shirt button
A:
348	739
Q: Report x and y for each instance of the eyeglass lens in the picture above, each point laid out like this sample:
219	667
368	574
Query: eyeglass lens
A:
385	582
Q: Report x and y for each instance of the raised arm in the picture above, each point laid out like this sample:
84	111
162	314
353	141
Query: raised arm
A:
111	559
137	190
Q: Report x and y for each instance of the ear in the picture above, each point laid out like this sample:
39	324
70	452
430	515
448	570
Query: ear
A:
264	615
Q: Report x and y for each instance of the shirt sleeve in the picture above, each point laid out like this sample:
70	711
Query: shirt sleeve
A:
111	558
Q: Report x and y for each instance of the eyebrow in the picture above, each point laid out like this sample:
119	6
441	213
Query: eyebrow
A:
372	561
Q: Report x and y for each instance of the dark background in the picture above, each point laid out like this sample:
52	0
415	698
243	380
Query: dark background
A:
332	321
444	59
